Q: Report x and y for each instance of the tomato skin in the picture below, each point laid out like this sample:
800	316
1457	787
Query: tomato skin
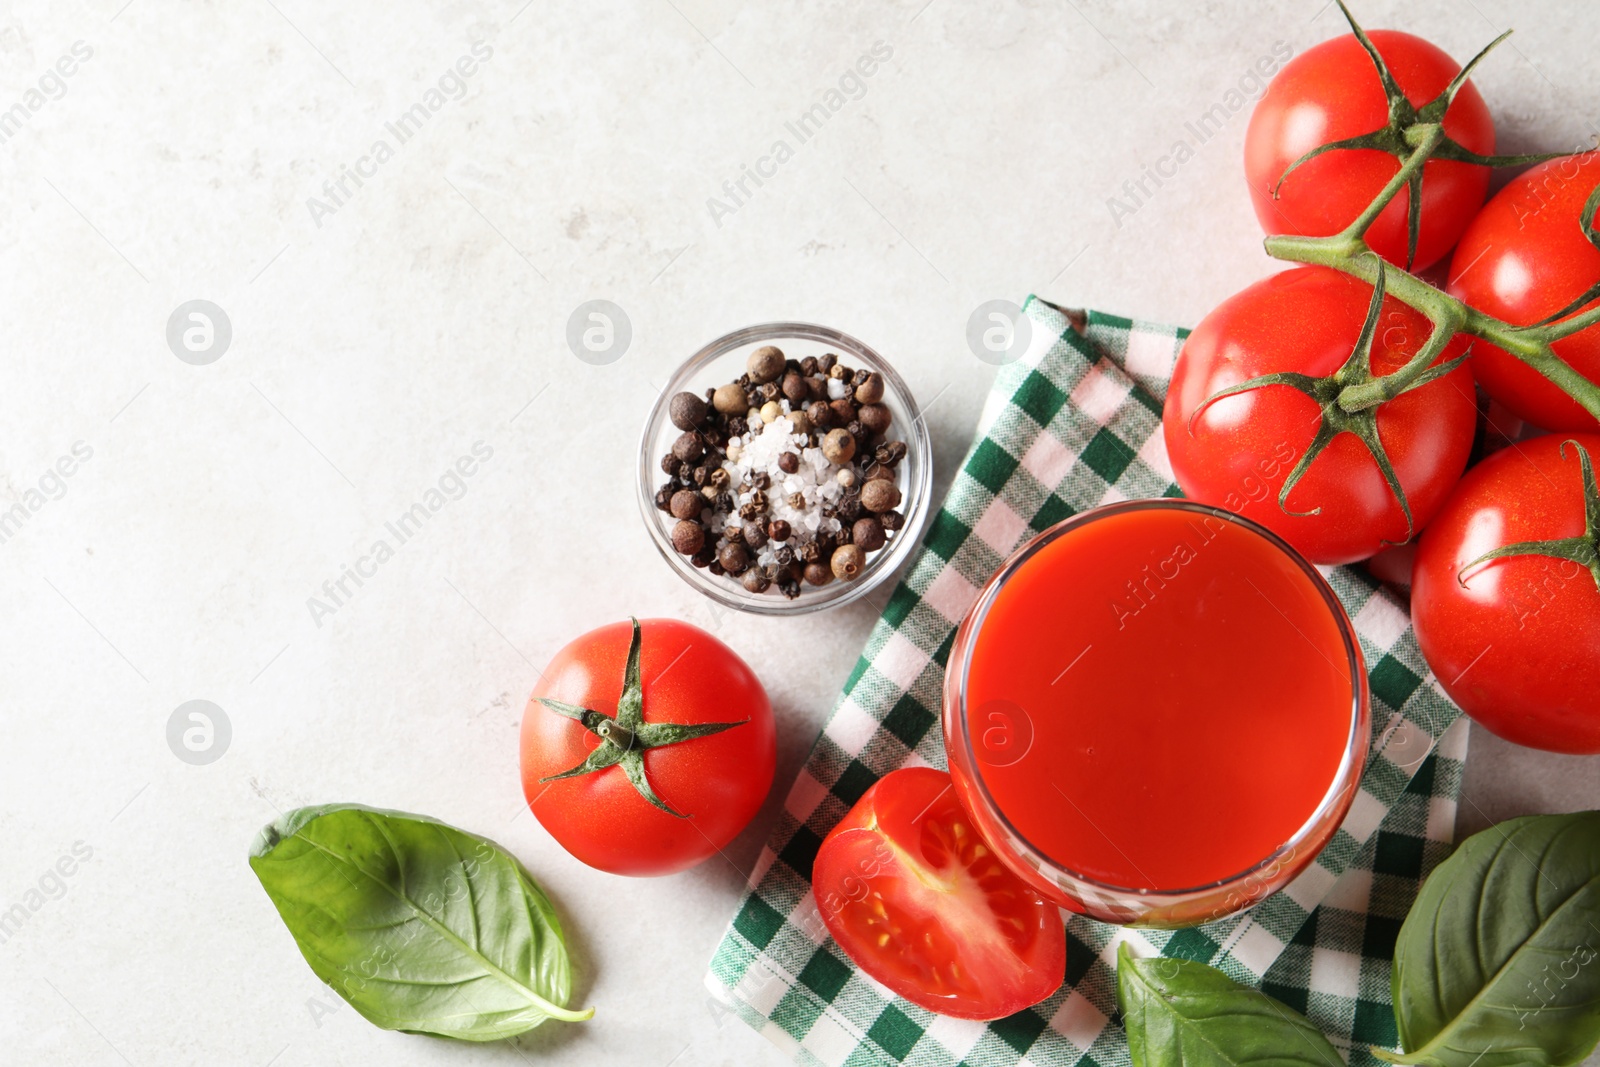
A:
1241	449
1518	647
720	781
970	939
1524	258
1331	92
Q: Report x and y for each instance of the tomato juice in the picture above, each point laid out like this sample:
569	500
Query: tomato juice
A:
1157	712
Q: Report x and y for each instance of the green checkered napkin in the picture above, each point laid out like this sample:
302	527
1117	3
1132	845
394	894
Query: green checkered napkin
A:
1076	423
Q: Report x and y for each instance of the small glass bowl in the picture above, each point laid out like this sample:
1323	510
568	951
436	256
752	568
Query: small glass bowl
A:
723	361
1122	905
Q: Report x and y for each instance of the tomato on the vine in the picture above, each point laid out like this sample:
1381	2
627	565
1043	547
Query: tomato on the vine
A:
1333	93
647	747
921	903
1506	594
1524	258
1239	451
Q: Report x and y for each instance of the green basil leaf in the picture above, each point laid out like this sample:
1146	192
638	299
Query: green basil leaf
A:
1496	963
1179	1013
419	926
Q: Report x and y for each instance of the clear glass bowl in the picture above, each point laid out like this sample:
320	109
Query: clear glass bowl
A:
1177	907
723	361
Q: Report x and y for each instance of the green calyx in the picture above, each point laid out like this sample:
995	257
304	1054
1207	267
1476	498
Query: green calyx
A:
1408	127
1349	399
1584	550
626	737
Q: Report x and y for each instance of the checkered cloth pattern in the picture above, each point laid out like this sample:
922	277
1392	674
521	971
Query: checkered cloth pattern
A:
1072	424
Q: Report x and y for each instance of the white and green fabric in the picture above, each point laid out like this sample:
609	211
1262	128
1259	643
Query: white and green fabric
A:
1075	423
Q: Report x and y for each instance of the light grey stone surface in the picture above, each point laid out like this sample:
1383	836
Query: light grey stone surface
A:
376	339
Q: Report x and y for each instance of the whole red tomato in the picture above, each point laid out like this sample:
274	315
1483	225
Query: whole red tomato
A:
646	747
1332	92
1515	639
1238	451
1525	257
910	891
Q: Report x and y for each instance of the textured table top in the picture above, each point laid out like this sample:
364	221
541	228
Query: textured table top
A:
391	212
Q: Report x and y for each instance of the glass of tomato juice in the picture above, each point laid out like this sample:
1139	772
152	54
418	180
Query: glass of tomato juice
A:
1156	712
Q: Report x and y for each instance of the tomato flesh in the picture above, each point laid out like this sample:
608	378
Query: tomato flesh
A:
919	901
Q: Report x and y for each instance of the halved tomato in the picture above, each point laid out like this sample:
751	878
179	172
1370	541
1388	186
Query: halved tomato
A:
920	902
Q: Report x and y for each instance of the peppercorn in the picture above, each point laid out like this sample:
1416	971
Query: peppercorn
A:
710	493
689	446
820	414
838	372
686	411
769	391
845	535
705	557
870	389
753	534
892	520
868	533
843	411
794	387
810	552
664	498
729	399
715	567
778	530
719	478
808	366
688	537
846	477
685	473
839	446
737	427
800	421
765	363
669	464
749	512
797	501
756	581
701	474
770	411
859	378
733	533
761	480
879	495
846	562
784	555
818	574
789	462
825	362
890	453
876	470
789	587
850	507
875	417
759	499
685	505
734	558
816	388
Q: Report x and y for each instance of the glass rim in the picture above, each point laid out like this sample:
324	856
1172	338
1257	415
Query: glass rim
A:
1351	761
917	490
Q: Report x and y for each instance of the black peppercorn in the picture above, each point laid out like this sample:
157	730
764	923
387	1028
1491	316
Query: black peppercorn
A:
789	587
756	581
850	507
734	558
892	520
867	532
716	568
737	426
669	464
890	453
797	501
859	378
719	479
664	498
686	473
768	391
788	462
703	558
820	414
733	533
808	366
809	552
761	480
686	411
825	362
784	555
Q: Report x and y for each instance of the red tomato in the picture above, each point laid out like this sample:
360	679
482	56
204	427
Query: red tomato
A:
1525	257
697	736
1238	452
910	891
1332	92
1516	641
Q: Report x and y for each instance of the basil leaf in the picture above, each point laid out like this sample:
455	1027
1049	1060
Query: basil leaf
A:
419	926
1179	1013
1496	963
